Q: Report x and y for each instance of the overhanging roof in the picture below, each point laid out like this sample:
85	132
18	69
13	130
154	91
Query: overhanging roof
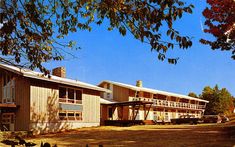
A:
40	76
135	88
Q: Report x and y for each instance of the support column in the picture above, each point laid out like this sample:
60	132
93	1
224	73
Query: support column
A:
144	107
148	112
113	110
133	112
121	109
136	112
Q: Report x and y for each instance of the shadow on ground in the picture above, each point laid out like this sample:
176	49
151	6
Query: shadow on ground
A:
208	136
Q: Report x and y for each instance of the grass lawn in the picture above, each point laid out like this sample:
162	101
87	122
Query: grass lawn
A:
204	135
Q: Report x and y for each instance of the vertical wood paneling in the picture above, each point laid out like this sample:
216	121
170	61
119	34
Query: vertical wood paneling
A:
104	114
91	108
1	86
120	94
43	103
22	100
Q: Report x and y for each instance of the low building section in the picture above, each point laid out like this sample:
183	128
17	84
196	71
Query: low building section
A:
128	102
31	101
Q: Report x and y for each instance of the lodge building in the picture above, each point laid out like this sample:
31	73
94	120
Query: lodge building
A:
128	102
31	101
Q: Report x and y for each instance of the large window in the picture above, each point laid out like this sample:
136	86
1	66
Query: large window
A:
71	115
62	92
70	95
78	95
8	91
62	116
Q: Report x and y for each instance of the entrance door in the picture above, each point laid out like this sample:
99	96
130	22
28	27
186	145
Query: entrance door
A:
8	121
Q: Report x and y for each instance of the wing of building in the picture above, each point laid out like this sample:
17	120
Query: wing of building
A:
139	103
31	101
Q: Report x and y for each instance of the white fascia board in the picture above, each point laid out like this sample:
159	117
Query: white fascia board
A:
153	91
60	81
40	76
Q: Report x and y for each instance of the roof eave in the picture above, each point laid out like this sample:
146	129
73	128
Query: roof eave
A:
153	91
66	83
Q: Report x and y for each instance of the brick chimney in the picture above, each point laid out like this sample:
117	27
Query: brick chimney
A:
139	83
59	72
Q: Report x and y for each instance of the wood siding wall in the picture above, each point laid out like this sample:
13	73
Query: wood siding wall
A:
104	113
120	94
44	102
44	109
91	108
1	86
23	101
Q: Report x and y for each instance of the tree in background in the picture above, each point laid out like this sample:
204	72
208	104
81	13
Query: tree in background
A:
32	30
220	20
192	94
220	101
233	107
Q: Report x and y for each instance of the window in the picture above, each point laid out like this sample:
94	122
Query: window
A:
70	95
108	95
9	91
72	115
147	95
78	116
62	92
108	86
62	116
137	94
6	79
78	95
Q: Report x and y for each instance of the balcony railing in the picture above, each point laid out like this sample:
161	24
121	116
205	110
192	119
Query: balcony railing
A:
71	101
165	103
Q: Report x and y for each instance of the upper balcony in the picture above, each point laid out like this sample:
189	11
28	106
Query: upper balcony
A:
8	95
169	104
71	101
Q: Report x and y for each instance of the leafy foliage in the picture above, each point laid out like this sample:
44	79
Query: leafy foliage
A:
31	30
220	20
192	94
220	101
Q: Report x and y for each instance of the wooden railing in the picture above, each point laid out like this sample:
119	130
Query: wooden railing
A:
73	101
166	103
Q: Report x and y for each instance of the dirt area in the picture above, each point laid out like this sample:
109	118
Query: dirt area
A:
209	135
203	135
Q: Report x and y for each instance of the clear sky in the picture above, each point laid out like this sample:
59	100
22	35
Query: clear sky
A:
106	55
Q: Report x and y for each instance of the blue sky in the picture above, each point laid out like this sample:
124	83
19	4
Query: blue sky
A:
106	55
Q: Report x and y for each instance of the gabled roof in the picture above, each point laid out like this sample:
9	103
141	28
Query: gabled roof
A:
135	88
40	76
